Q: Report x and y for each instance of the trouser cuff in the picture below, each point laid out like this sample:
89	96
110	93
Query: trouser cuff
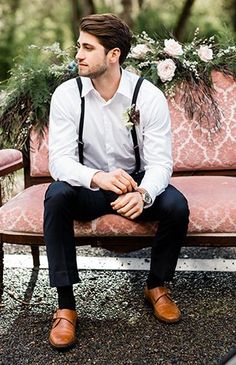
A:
64	278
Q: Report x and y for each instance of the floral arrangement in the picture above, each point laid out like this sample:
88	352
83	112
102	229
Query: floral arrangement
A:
187	67
164	61
131	117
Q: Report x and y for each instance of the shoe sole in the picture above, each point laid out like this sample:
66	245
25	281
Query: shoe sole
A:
63	347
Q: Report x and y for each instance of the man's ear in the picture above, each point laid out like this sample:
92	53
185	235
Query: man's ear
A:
114	55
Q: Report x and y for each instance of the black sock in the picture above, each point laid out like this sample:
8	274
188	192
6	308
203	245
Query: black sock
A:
153	281
66	299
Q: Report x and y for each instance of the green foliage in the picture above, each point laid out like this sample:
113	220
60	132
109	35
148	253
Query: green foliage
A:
169	64
223	38
28	92
156	15
47	21
151	26
188	61
162	60
25	22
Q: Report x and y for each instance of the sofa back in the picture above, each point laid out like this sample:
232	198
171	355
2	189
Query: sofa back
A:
194	148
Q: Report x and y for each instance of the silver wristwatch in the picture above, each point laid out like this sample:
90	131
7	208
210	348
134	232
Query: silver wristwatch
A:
145	196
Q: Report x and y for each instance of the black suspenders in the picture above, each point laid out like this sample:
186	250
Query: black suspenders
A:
133	130
81	122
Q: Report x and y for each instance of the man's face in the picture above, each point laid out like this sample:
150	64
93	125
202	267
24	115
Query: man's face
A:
91	56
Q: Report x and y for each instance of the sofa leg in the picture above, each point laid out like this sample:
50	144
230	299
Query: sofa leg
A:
35	255
1	269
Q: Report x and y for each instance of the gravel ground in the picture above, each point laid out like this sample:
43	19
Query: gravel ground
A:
116	326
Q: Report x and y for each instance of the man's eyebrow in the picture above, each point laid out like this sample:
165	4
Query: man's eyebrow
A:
84	44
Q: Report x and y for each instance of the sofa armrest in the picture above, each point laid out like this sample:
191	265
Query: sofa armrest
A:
10	160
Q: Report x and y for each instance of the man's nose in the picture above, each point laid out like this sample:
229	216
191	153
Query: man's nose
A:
79	54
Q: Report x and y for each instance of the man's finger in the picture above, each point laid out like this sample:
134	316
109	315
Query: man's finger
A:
130	179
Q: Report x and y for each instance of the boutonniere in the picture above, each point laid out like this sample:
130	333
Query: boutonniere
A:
131	117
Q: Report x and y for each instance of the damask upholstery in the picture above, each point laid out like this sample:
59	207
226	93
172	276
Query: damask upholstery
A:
210	201
211	198
194	148
39	155
24	213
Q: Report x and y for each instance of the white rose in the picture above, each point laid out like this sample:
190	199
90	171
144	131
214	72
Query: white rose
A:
139	51
173	48
205	53
166	69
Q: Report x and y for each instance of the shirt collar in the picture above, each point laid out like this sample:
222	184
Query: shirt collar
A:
87	85
125	87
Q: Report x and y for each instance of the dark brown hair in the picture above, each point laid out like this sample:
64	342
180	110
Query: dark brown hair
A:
111	32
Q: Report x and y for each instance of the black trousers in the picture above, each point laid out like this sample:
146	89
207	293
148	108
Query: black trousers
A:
65	203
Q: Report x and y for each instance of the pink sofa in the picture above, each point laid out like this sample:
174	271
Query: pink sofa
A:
204	170
10	161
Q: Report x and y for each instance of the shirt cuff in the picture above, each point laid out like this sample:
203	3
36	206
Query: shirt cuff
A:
152	194
86	180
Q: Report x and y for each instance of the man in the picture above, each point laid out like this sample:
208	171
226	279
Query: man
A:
109	175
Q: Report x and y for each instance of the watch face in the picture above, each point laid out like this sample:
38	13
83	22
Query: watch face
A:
146	198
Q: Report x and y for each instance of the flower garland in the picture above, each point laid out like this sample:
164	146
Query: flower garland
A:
185	68
165	62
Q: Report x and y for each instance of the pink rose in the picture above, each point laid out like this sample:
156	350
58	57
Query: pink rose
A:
139	51
173	48
205	53
166	70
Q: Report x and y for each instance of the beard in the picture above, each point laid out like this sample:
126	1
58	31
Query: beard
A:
94	72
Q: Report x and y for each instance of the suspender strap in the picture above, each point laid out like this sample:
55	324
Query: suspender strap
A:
136	90
133	130
81	123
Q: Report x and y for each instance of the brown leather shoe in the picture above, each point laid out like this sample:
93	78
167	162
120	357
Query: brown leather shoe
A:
164	308
63	332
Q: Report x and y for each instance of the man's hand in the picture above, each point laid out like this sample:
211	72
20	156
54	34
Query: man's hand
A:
117	181
129	205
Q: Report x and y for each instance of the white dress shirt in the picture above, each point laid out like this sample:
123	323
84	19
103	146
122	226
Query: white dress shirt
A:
108	143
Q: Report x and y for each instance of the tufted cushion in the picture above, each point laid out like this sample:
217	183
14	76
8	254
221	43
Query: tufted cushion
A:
193	147
8	159
210	200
